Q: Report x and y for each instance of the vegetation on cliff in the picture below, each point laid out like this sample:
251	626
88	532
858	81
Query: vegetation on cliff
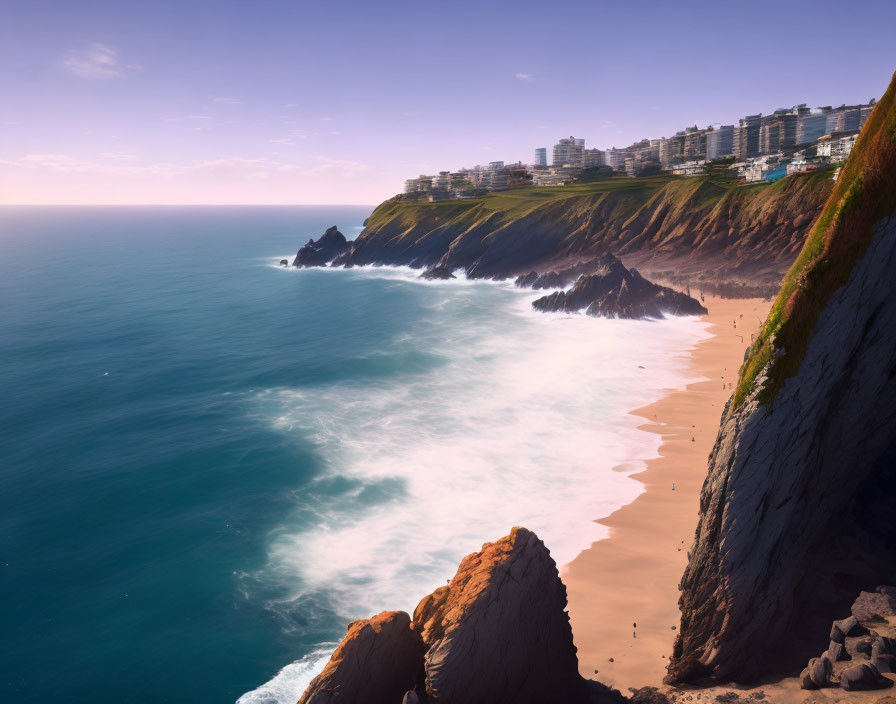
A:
864	193
708	227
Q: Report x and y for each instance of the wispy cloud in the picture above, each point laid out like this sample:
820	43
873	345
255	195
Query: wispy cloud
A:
227	100
120	156
524	76
124	164
93	61
290	139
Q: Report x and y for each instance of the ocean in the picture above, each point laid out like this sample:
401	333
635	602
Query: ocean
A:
210	464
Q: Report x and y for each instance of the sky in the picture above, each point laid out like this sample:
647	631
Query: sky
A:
282	102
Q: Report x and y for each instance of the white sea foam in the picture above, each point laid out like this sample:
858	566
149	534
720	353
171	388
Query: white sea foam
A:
525	423
288	684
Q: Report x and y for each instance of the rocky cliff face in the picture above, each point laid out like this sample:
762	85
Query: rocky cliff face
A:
377	662
694	226
607	289
320	253
497	633
797	509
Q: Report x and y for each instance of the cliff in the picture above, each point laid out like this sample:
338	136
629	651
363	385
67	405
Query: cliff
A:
698	227
377	662
796	514
329	246
497	633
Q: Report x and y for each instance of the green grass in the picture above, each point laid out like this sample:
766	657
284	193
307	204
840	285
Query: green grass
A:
864	193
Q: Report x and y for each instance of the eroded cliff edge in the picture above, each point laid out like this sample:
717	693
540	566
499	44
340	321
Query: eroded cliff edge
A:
797	512
701	229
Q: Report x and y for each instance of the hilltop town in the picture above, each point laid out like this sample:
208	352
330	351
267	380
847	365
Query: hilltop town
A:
761	148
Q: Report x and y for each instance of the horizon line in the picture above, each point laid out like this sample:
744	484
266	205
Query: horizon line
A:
184	205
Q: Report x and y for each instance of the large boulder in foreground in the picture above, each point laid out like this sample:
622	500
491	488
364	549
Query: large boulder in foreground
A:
376	663
610	290
498	633
320	253
797	510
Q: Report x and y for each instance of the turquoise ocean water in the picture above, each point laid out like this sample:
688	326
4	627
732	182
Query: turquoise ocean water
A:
210	464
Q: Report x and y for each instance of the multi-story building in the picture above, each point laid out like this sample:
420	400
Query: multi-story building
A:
778	130
836	147
615	158
694	143
811	126
690	168
848	118
541	157
594	157
719	142
746	136
419	185
569	152
555	175
671	150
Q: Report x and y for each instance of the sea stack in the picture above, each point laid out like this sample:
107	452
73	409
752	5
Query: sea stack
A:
609	290
320	253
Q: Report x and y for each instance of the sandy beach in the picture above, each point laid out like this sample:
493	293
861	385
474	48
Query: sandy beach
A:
623	591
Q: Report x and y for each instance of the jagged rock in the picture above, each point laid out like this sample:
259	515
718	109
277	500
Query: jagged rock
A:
376	663
648	695
836	652
329	246
885	663
882	645
864	676
558	279
844	627
499	632
817	674
879	605
864	645
797	506
437	273
613	291
284	262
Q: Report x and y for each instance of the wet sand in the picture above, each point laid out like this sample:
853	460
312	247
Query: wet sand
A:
623	591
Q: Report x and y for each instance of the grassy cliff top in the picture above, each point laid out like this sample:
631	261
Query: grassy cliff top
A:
515	202
864	193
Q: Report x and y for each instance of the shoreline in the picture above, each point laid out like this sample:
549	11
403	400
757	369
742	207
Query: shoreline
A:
623	590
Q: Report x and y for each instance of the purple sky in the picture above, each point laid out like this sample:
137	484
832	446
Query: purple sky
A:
313	102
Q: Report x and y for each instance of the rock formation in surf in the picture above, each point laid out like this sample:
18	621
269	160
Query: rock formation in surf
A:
610	290
557	278
797	511
498	633
320	253
437	273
